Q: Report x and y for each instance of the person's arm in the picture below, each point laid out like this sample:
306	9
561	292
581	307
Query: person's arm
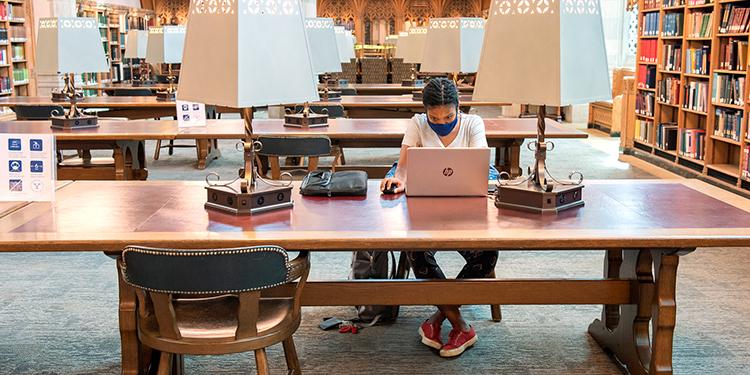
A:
477	136
411	139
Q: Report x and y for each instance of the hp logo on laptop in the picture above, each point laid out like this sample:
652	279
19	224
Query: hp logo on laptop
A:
447	172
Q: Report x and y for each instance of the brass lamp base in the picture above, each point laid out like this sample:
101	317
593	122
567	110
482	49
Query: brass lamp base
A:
166	96
77	122
412	83
58	96
139	83
263	197
532	199
301	120
329	95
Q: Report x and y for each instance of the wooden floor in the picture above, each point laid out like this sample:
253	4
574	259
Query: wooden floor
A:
58	312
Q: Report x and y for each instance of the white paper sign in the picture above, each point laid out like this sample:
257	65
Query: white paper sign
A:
190	114
27	167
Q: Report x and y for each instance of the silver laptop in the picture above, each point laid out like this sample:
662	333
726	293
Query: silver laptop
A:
447	172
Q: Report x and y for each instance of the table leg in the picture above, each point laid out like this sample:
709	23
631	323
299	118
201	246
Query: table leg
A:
206	152
625	330
130	160
129	345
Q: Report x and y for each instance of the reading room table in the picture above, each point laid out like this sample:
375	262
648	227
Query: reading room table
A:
643	226
126	138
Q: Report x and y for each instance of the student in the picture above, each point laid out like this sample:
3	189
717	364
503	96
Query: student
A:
443	125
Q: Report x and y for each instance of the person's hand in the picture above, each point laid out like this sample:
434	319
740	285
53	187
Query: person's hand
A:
392	181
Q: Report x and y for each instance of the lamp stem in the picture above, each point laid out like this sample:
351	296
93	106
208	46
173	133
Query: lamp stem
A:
170	78
540	179
248	173
70	87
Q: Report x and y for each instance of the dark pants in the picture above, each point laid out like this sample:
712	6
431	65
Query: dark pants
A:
479	264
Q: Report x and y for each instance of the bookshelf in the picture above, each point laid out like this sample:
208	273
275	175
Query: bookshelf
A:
114	23
691	100
16	50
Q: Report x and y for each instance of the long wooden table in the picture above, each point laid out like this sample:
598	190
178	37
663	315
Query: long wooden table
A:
148	107
644	226
126	138
362	88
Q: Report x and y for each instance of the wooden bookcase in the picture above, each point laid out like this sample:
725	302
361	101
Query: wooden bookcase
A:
114	23
16	48
722	156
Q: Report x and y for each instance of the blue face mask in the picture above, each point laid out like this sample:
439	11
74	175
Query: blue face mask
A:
443	129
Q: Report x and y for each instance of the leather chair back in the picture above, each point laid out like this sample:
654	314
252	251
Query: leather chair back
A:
205	271
295	146
37	112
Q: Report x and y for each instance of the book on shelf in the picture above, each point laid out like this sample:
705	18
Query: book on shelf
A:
672	24
732	54
692	142
3	56
647	50
734	19
728	89
697	60
3	35
698	2
16	12
644	103
668	90
17	33
695	96
643	130
20	75
746	162
672	57
650	4
18	52
646	76
699	24
666	136
672	3
728	123
5	86
650	26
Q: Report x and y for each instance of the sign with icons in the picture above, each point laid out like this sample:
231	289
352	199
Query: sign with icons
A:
27	167
190	114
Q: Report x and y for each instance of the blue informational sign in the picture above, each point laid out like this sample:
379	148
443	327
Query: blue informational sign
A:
36	166
14	144
36	145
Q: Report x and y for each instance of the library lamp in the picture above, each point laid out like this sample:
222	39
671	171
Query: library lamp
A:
136	43
344	44
245	55
165	46
411	49
321	39
453	45
70	46
542	53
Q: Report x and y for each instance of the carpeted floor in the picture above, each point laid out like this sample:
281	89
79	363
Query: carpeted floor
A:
58	311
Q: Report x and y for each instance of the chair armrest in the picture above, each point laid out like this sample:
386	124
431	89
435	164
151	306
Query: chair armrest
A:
299	266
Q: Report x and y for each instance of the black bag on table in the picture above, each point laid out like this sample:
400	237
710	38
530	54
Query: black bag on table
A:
331	184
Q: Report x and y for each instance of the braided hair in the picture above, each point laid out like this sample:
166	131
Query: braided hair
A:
439	91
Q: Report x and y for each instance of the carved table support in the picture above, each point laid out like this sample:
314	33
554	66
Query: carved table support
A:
624	330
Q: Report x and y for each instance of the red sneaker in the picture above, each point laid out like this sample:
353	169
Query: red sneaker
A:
430	333
458	341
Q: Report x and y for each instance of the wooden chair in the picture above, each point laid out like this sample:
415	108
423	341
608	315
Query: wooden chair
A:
209	302
296	147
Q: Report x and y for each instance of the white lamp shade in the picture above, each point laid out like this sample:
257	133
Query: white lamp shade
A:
413	49
135	44
323	46
70	45
402	44
453	45
344	44
550	53
245	54
165	44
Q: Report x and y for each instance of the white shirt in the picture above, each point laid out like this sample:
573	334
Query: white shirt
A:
470	133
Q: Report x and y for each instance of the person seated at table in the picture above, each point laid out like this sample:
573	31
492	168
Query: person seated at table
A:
443	125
